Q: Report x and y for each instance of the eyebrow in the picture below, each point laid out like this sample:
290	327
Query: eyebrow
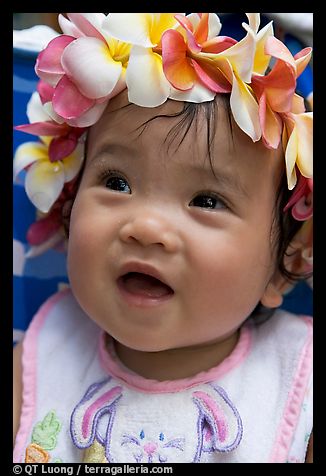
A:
229	181
110	148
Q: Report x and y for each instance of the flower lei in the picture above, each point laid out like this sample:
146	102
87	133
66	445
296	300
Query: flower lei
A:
158	56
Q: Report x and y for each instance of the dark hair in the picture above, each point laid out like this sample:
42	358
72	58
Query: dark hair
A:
284	226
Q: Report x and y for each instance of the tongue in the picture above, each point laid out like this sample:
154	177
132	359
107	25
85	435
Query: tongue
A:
142	284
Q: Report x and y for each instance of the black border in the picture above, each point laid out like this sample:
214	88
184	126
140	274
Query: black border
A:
7	206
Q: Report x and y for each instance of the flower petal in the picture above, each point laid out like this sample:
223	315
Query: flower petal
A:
176	65
147	84
245	109
132	28
270	123
93	114
218	44
211	75
45	91
35	111
304	126
201	32
27	153
301	211
302	59
261	60
214	25
274	47
90	24
300	190
72	164
49	59
298	105
43	128
54	240
61	147
44	183
191	21
89	64
48	108
254	21
198	93
43	229
290	159
68	101
141	29
279	86
240	56
68	27
89	117
161	23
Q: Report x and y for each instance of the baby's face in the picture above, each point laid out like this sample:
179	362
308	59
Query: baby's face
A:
161	253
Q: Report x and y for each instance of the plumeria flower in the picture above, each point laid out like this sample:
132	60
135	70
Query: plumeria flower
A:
65	137
145	79
181	50
301	199
297	141
47	231
275	91
85	67
45	178
220	63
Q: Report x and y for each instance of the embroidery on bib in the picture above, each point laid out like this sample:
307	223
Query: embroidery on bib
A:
115	424
44	439
145	451
36	454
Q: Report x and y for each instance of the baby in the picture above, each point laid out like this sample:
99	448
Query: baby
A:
168	346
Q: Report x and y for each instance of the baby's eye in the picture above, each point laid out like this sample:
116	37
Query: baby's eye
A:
210	201
117	183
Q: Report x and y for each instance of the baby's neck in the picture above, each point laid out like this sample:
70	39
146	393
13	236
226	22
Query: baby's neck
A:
178	363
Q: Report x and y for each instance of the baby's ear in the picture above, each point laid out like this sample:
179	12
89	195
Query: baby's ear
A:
298	259
65	214
273	295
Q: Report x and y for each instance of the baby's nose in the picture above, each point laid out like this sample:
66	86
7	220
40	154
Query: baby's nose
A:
149	230
150	448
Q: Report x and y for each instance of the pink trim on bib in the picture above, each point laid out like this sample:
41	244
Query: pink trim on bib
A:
111	364
29	375
293	405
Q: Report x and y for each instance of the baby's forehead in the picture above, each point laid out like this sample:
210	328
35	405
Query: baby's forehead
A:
173	125
200	131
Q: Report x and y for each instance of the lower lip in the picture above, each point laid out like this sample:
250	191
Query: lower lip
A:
141	300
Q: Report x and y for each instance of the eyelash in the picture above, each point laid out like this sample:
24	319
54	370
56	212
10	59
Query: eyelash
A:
106	175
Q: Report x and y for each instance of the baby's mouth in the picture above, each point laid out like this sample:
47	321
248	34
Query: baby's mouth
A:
144	285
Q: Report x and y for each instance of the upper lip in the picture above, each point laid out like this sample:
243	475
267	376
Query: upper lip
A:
143	268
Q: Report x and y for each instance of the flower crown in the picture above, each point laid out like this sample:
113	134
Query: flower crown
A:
158	56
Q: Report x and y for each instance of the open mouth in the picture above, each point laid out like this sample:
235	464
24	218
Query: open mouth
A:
145	286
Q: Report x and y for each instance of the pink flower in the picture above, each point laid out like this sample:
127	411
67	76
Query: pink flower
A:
301	200
275	91
65	138
183	64
85	69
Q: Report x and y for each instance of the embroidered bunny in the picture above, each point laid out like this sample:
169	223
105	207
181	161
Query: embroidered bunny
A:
153	450
123	425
